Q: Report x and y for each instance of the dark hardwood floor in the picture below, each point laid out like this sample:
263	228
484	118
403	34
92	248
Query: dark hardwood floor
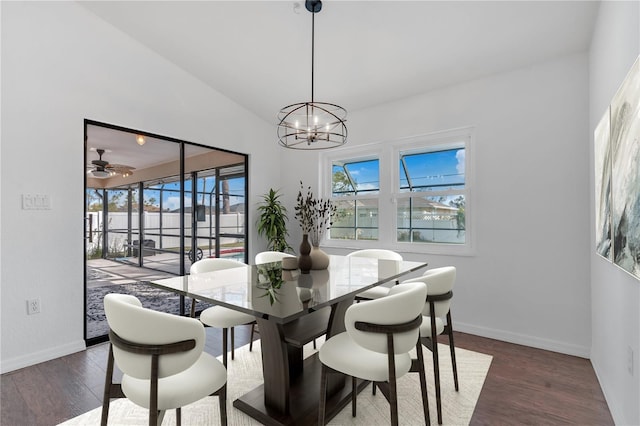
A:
524	386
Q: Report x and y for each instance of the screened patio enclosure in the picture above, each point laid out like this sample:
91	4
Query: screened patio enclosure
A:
174	203
139	225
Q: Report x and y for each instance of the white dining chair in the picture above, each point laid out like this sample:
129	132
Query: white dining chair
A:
270	256
162	360
381	290
375	346
219	316
439	282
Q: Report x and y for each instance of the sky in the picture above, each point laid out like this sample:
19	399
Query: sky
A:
428	169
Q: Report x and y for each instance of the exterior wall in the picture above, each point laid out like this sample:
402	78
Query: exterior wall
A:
615	295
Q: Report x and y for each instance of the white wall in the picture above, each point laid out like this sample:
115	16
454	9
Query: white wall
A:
60	65
529	280
615	295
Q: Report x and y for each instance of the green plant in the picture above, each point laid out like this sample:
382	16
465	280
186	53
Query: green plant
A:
314	214
272	222
270	280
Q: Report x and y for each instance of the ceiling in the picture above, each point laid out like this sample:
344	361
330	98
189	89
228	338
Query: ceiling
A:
258	53
156	158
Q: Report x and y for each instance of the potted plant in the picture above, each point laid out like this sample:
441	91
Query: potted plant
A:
314	215
272	222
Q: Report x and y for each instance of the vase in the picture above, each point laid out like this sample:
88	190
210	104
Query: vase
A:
319	259
304	260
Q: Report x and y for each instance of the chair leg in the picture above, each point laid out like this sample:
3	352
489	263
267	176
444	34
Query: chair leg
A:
323	396
436	367
222	397
224	347
233	343
393	399
354	395
452	348
155	416
253	328
393	390
423	383
107	388
193	308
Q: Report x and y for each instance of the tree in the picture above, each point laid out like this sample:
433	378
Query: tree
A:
459	203
341	182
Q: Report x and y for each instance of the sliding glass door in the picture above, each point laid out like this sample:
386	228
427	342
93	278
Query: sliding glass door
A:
152	209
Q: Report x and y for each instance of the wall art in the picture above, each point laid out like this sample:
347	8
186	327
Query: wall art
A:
602	160
620	239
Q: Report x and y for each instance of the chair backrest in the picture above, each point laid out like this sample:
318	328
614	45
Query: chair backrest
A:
130	321
377	254
439	281
214	264
385	269
403	304
270	256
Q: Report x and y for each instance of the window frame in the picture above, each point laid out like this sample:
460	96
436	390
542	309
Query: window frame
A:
388	155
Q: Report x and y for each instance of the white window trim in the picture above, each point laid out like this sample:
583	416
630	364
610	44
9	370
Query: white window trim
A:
387	152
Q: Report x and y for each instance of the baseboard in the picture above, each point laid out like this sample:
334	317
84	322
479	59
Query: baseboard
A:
523	339
616	409
28	360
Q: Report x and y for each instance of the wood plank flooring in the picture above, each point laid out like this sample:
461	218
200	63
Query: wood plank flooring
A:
524	386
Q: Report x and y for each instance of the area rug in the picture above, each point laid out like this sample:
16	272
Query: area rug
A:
150	297
245	373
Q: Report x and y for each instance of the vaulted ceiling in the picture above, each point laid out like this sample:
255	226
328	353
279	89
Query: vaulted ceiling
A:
258	53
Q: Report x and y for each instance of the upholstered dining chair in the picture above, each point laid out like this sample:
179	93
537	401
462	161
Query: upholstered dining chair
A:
219	316
439	282
162	360
270	256
375	346
379	291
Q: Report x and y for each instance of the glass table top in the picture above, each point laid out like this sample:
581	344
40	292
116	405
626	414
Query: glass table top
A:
270	292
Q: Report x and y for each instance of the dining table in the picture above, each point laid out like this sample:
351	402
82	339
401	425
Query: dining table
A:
292	309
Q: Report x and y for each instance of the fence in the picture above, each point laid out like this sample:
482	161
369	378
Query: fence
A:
167	236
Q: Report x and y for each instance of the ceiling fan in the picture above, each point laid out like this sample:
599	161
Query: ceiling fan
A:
102	169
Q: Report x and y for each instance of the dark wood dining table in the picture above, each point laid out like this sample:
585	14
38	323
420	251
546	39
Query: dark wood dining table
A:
291	309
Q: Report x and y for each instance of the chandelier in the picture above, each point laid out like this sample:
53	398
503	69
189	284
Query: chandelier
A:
312	125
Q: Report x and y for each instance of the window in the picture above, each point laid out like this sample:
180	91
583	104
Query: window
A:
355	185
431	200
411	195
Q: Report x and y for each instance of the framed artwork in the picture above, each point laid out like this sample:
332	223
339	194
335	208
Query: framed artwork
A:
624	148
602	160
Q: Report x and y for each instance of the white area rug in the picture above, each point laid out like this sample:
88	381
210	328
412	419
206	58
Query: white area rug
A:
245	373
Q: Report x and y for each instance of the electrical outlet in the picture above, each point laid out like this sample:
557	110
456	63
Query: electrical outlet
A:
630	360
33	306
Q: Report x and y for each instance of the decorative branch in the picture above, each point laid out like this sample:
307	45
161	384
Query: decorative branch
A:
314	214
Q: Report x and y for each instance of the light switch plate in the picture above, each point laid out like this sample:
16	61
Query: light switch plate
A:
36	202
